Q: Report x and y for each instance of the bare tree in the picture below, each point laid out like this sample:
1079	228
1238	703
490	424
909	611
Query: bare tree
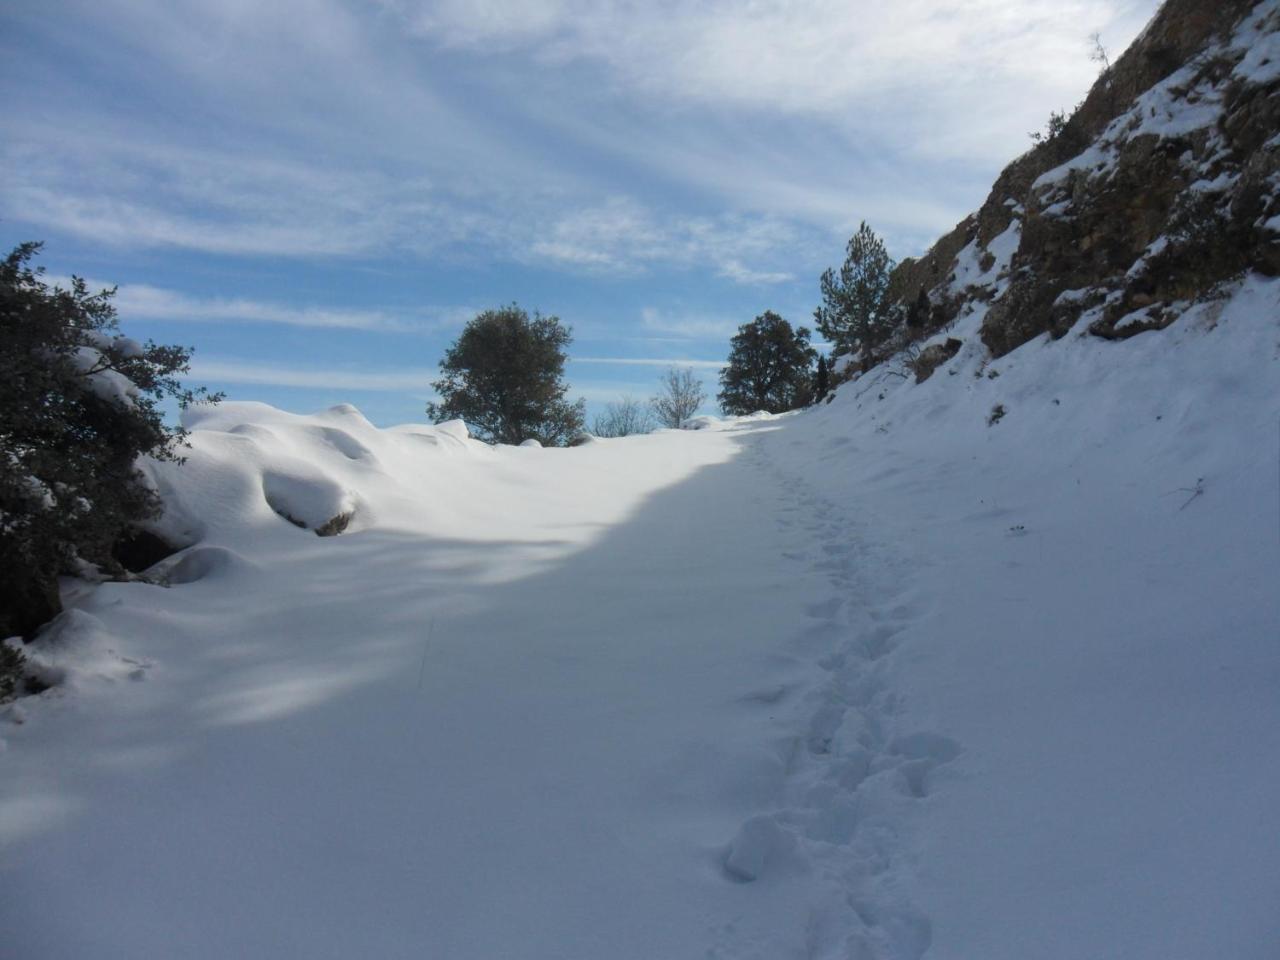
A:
679	396
622	419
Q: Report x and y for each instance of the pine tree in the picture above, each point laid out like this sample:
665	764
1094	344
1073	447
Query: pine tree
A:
854	311
822	381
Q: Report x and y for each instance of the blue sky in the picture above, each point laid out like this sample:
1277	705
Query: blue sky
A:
317	194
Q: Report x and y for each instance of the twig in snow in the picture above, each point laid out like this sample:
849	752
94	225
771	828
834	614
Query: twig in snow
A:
1196	491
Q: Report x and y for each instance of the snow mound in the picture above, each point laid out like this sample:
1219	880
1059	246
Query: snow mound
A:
704	422
75	650
203	563
309	499
760	846
251	466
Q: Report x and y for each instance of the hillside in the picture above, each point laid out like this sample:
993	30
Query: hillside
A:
1162	186
976	660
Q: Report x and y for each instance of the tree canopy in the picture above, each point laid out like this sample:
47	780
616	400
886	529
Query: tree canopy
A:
770	368
504	377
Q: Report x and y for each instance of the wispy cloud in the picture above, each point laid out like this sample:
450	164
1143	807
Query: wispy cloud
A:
740	138
734	270
820	57
694	326
142	301
220	370
621	235
652	362
147	302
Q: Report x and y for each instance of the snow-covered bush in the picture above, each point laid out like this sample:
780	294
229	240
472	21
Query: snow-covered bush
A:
79	403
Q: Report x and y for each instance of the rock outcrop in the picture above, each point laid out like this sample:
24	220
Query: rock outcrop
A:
1161	186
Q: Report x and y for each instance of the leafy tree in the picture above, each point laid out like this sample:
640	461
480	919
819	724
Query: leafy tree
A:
854	314
770	367
679	396
622	419
79	404
504	377
821	380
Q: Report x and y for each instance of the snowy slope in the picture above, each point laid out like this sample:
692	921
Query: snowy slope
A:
1099	578
877	680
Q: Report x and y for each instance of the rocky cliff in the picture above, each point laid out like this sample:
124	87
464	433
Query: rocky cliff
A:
1162	186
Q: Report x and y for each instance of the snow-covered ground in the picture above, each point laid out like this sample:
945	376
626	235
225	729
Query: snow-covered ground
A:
890	678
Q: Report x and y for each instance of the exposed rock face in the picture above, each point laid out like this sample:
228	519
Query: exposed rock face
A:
934	356
1164	184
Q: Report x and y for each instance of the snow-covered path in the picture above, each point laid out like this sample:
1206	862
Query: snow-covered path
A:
606	733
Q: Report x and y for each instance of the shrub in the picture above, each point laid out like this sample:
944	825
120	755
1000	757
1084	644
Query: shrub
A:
79	404
679	396
622	419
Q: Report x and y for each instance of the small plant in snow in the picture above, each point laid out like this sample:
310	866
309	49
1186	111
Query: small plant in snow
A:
1053	128
997	414
1196	491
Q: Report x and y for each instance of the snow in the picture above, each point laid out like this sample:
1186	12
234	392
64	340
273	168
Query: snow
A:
1260	42
873	680
103	382
967	271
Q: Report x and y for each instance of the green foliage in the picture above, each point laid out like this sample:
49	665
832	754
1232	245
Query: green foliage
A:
79	404
854	315
770	368
679	396
503	376
1054	128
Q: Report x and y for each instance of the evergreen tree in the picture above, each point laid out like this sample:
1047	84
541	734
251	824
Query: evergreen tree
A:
822	381
79	404
770	368
504	377
854	311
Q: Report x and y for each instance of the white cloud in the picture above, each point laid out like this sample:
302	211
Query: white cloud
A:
940	74
620	235
569	133
227	370
652	362
734	270
817	55
145	302
688	326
